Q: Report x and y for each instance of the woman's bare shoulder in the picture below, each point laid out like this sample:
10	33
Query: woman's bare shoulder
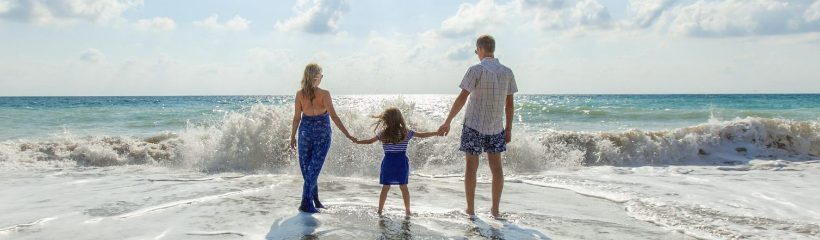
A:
322	92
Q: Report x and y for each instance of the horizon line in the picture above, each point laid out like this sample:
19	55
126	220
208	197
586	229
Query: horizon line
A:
399	94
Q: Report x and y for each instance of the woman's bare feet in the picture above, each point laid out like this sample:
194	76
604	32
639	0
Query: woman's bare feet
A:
379	212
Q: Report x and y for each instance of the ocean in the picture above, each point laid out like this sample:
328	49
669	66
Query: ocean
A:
579	167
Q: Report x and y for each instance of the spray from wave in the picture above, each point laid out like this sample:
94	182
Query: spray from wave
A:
258	140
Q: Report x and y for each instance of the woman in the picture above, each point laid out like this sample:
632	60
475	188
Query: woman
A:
314	109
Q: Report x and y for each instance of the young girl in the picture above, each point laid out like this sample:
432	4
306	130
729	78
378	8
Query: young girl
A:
394	135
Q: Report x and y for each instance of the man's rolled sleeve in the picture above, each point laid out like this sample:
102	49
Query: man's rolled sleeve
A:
513	87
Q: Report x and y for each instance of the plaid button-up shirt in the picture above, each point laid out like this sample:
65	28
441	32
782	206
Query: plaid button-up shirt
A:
489	83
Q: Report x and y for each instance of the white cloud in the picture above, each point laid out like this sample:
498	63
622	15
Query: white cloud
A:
472	18
92	56
698	18
237	23
265	64
461	52
269	55
813	12
548	4
559	15
65	11
646	12
316	16
741	18
5	6
159	24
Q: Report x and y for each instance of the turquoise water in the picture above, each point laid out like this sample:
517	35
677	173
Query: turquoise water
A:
40	117
708	164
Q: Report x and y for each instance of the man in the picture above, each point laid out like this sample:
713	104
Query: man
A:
490	87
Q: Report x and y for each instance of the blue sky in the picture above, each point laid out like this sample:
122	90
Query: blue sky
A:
205	47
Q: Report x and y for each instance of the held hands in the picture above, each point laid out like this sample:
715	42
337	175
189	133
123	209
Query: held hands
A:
444	129
353	139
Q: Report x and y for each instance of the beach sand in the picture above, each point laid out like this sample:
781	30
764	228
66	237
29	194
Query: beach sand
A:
140	202
156	204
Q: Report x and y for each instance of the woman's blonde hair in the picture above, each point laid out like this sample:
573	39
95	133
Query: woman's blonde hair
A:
390	126
309	80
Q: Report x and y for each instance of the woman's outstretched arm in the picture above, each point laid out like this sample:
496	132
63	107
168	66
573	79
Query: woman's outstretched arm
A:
336	120
297	117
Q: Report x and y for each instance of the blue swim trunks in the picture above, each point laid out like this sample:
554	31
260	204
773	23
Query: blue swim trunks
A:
474	143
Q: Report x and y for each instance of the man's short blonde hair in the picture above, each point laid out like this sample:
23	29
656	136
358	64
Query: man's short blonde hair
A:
486	42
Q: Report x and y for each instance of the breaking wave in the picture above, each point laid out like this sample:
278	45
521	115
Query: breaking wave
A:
258	140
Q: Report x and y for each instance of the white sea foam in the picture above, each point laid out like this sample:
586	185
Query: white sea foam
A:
752	177
258	139
706	201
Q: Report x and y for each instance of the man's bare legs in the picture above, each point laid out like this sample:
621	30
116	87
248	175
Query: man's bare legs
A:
498	181
470	181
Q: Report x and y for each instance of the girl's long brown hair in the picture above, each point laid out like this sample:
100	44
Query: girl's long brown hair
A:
309	80
390	126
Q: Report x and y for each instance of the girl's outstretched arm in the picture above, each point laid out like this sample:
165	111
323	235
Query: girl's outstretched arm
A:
425	134
367	141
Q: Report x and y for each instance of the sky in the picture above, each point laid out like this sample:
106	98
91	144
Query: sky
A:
260	47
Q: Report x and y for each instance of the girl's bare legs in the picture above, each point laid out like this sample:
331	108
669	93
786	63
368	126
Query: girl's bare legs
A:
383	197
406	195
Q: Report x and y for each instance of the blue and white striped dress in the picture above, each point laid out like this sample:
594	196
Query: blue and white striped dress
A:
395	165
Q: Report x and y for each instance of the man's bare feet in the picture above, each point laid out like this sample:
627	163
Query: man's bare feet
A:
470	214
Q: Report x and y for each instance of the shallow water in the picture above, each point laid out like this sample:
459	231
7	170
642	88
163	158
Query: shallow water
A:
188	205
137	202
579	167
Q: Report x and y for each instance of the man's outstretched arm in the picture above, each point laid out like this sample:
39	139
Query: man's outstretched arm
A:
457	105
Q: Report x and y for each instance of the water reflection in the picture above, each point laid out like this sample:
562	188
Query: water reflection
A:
394	229
302	226
506	230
